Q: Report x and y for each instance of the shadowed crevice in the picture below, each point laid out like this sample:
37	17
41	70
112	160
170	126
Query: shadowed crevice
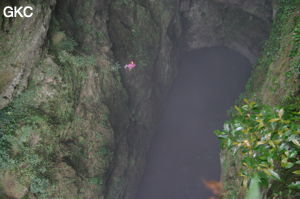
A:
185	151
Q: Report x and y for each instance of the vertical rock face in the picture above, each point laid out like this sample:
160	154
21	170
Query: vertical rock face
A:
184	26
21	47
227	23
85	123
259	8
62	116
138	31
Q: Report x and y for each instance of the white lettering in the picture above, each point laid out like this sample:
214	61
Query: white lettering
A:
18	11
25	11
8	12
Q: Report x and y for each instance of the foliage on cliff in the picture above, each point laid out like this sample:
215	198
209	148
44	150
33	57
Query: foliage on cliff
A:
264	133
268	141
276	75
55	134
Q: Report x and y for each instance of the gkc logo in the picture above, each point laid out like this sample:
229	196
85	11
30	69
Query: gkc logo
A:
15	11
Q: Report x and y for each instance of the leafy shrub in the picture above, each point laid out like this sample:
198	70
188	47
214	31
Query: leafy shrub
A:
39	186
8	125
115	66
77	61
254	192
268	140
105	121
289	1
5	160
17	125
295	51
68	45
96	181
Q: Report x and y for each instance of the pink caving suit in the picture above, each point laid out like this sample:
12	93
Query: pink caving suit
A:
130	66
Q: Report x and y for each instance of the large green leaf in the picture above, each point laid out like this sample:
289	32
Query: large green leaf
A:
297	172
264	136
272	174
295	185
254	190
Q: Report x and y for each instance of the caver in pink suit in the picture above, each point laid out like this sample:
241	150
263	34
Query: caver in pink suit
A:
130	66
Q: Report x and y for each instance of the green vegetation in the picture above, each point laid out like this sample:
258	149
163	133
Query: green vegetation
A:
295	52
268	140
144	37
96	181
264	131
279	65
115	66
63	47
139	39
23	151
5	77
76	61
254	191
34	124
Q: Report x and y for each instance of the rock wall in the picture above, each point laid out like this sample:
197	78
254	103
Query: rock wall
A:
88	123
185	26
274	82
139	32
21	47
63	87
239	25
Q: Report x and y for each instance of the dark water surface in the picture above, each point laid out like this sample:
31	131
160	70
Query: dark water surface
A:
185	151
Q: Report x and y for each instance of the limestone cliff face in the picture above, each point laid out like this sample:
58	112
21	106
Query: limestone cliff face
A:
239	25
21	47
85	123
171	30
56	136
274	82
